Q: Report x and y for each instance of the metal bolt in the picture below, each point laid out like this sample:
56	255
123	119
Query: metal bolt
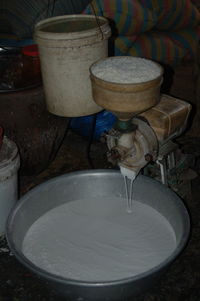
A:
148	157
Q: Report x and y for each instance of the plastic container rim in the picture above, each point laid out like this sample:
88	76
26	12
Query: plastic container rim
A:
105	82
39	33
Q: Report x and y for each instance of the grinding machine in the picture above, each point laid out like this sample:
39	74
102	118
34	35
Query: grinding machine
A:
147	123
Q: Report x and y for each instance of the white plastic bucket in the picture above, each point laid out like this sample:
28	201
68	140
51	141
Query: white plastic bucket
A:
9	165
68	45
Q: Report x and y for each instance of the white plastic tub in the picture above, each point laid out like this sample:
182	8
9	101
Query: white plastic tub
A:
68	45
9	165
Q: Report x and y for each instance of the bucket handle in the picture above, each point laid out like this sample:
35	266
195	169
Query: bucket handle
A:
97	20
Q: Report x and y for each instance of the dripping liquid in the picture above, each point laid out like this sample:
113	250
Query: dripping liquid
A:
129	193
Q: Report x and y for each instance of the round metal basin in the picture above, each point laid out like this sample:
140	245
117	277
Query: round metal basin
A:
102	183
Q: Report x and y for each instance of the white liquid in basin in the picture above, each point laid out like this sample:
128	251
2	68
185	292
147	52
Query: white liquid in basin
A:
97	240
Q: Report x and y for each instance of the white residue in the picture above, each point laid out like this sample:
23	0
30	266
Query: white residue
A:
126	70
96	240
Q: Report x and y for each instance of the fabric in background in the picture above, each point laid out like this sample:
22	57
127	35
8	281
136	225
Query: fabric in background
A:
163	30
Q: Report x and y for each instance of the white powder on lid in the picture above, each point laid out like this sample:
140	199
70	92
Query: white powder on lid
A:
126	70
97	240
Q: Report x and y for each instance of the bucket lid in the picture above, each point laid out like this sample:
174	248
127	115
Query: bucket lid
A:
8	152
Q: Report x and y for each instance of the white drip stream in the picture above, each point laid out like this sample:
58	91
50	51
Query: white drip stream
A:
129	177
